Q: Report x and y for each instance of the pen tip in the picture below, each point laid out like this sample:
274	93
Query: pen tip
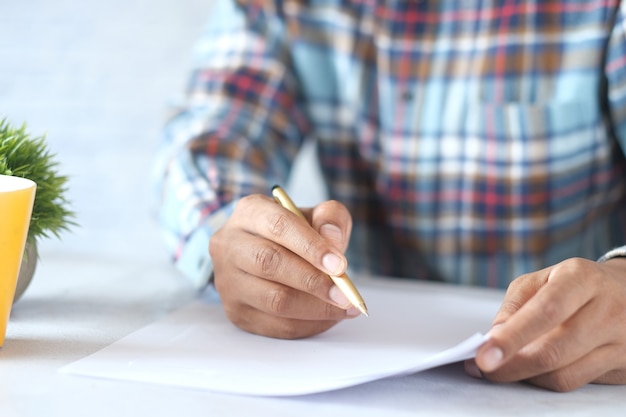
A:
363	309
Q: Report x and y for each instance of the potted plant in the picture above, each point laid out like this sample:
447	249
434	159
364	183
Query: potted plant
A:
23	155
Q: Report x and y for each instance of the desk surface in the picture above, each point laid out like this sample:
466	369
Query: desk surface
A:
77	305
89	87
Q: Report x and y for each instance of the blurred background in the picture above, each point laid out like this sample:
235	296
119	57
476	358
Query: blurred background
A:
97	78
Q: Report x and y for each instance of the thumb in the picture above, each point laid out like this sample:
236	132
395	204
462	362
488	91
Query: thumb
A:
333	233
332	220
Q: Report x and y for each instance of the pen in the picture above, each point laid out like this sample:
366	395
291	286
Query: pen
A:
343	282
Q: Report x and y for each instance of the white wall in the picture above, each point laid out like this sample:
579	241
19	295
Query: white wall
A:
96	77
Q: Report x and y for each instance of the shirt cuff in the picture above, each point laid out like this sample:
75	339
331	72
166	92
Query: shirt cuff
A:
619	252
194	261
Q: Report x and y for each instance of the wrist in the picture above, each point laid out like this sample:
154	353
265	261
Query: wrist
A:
619	262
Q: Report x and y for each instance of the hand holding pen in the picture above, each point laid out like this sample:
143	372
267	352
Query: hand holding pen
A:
272	269
342	281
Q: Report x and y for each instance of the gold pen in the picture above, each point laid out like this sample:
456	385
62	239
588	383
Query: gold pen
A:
343	282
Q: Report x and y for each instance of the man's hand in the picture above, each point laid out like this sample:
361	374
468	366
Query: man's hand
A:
561	327
271	267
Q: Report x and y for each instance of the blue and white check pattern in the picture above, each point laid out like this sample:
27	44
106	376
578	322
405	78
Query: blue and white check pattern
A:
472	141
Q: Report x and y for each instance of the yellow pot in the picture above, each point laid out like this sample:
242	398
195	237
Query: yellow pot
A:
27	270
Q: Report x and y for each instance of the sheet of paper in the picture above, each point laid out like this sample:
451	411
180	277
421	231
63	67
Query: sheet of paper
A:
197	347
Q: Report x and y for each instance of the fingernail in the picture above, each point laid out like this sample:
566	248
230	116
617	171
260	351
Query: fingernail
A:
491	358
332	263
338	297
353	312
330	231
472	369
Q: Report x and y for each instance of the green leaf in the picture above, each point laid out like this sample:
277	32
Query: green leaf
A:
22	155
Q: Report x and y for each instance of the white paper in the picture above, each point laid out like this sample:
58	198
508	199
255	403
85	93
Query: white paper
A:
197	347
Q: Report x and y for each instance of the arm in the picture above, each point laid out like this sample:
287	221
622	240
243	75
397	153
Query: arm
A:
237	133
565	326
236	137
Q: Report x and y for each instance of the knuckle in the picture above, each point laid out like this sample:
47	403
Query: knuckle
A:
311	282
581	268
517	283
246	203
562	381
614	377
331	206
549	357
278	224
510	306
577	263
309	246
277	300
267	260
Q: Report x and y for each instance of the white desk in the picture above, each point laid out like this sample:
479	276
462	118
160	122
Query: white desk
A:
77	306
97	91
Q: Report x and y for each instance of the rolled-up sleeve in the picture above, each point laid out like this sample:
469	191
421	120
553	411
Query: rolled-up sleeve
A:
237	132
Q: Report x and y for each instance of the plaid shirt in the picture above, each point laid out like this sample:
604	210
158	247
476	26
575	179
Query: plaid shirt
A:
472	140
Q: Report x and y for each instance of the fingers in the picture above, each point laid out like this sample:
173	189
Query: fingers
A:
271	268
614	377
557	300
260	258
560	328
590	367
519	292
279	225
333	221
556	350
258	322
276	310
286	302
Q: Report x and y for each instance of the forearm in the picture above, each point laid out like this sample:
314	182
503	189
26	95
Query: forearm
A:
236	135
